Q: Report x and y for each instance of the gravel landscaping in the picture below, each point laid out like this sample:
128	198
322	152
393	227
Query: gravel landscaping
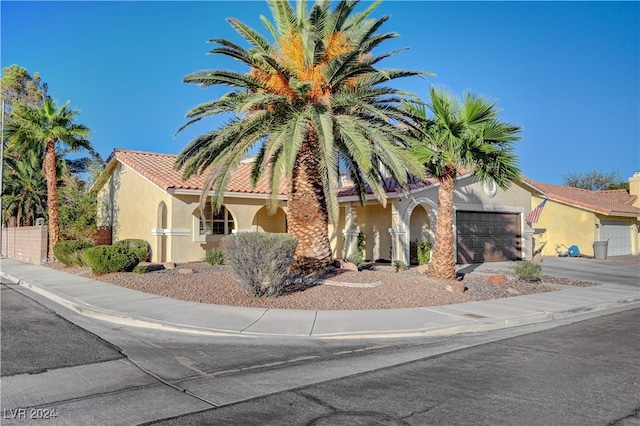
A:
376	288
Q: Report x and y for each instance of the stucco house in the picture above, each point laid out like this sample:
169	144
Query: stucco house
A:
573	216
142	196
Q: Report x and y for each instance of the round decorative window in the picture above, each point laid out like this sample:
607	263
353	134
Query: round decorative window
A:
490	188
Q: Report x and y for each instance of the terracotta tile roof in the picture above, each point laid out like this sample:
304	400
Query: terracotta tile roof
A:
617	201
390	185
158	168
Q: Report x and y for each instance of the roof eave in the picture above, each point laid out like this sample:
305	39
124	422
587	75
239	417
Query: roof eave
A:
254	195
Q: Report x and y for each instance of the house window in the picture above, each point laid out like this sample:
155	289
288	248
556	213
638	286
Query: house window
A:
220	223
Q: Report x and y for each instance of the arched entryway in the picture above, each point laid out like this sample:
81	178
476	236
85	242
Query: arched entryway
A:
419	230
265	222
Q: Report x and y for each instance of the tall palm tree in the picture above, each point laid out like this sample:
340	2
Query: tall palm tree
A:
312	101
462	135
24	191
39	129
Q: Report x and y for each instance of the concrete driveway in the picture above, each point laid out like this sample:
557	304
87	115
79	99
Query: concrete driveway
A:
614	271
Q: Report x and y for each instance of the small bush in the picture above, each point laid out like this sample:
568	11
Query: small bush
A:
424	252
69	252
260	260
140	247
214	256
141	269
399	265
357	259
527	270
105	259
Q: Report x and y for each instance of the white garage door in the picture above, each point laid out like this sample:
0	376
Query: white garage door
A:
618	232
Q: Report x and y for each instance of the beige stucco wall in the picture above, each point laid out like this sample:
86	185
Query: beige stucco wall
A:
185	214
336	236
263	221
420	225
634	188
129	204
136	208
563	225
374	222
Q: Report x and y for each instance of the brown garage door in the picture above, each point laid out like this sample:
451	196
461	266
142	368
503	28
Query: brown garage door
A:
488	237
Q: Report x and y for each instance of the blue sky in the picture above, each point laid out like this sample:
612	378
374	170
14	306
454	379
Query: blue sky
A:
566	72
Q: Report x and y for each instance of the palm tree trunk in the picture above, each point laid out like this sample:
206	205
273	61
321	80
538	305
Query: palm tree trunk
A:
307	215
444	265
52	195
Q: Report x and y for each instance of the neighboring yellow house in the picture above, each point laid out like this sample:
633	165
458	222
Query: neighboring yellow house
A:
573	216
142	196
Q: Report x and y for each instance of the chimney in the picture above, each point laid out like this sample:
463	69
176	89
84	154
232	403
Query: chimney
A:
634	188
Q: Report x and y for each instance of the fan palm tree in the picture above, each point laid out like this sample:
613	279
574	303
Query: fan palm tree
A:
39	129
462	135
311	102
24	191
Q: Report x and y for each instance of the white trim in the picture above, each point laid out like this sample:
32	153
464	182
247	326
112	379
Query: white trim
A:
170	231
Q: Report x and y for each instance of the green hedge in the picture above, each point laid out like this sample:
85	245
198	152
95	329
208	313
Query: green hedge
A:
105	259
69	252
140	247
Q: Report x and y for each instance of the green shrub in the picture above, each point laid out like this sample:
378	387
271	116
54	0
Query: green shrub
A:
357	259
260	260
69	252
399	265
139	247
214	256
424	252
527	270
141	269
105	259
413	252
361	244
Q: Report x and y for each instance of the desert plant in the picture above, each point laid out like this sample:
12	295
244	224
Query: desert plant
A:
357	259
141	269
399	265
423	252
214	256
527	270
260	260
139	247
105	259
68	252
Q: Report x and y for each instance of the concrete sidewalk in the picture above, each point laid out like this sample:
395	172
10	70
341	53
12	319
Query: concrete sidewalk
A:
124	306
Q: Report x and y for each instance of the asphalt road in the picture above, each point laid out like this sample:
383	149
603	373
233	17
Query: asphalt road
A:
36	339
585	373
572	371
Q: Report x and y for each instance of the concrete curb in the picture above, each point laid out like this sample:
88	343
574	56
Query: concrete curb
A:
479	325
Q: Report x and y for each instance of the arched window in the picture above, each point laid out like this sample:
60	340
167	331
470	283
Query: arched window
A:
220	223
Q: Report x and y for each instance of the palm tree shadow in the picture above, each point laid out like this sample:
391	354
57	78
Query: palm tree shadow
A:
309	279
